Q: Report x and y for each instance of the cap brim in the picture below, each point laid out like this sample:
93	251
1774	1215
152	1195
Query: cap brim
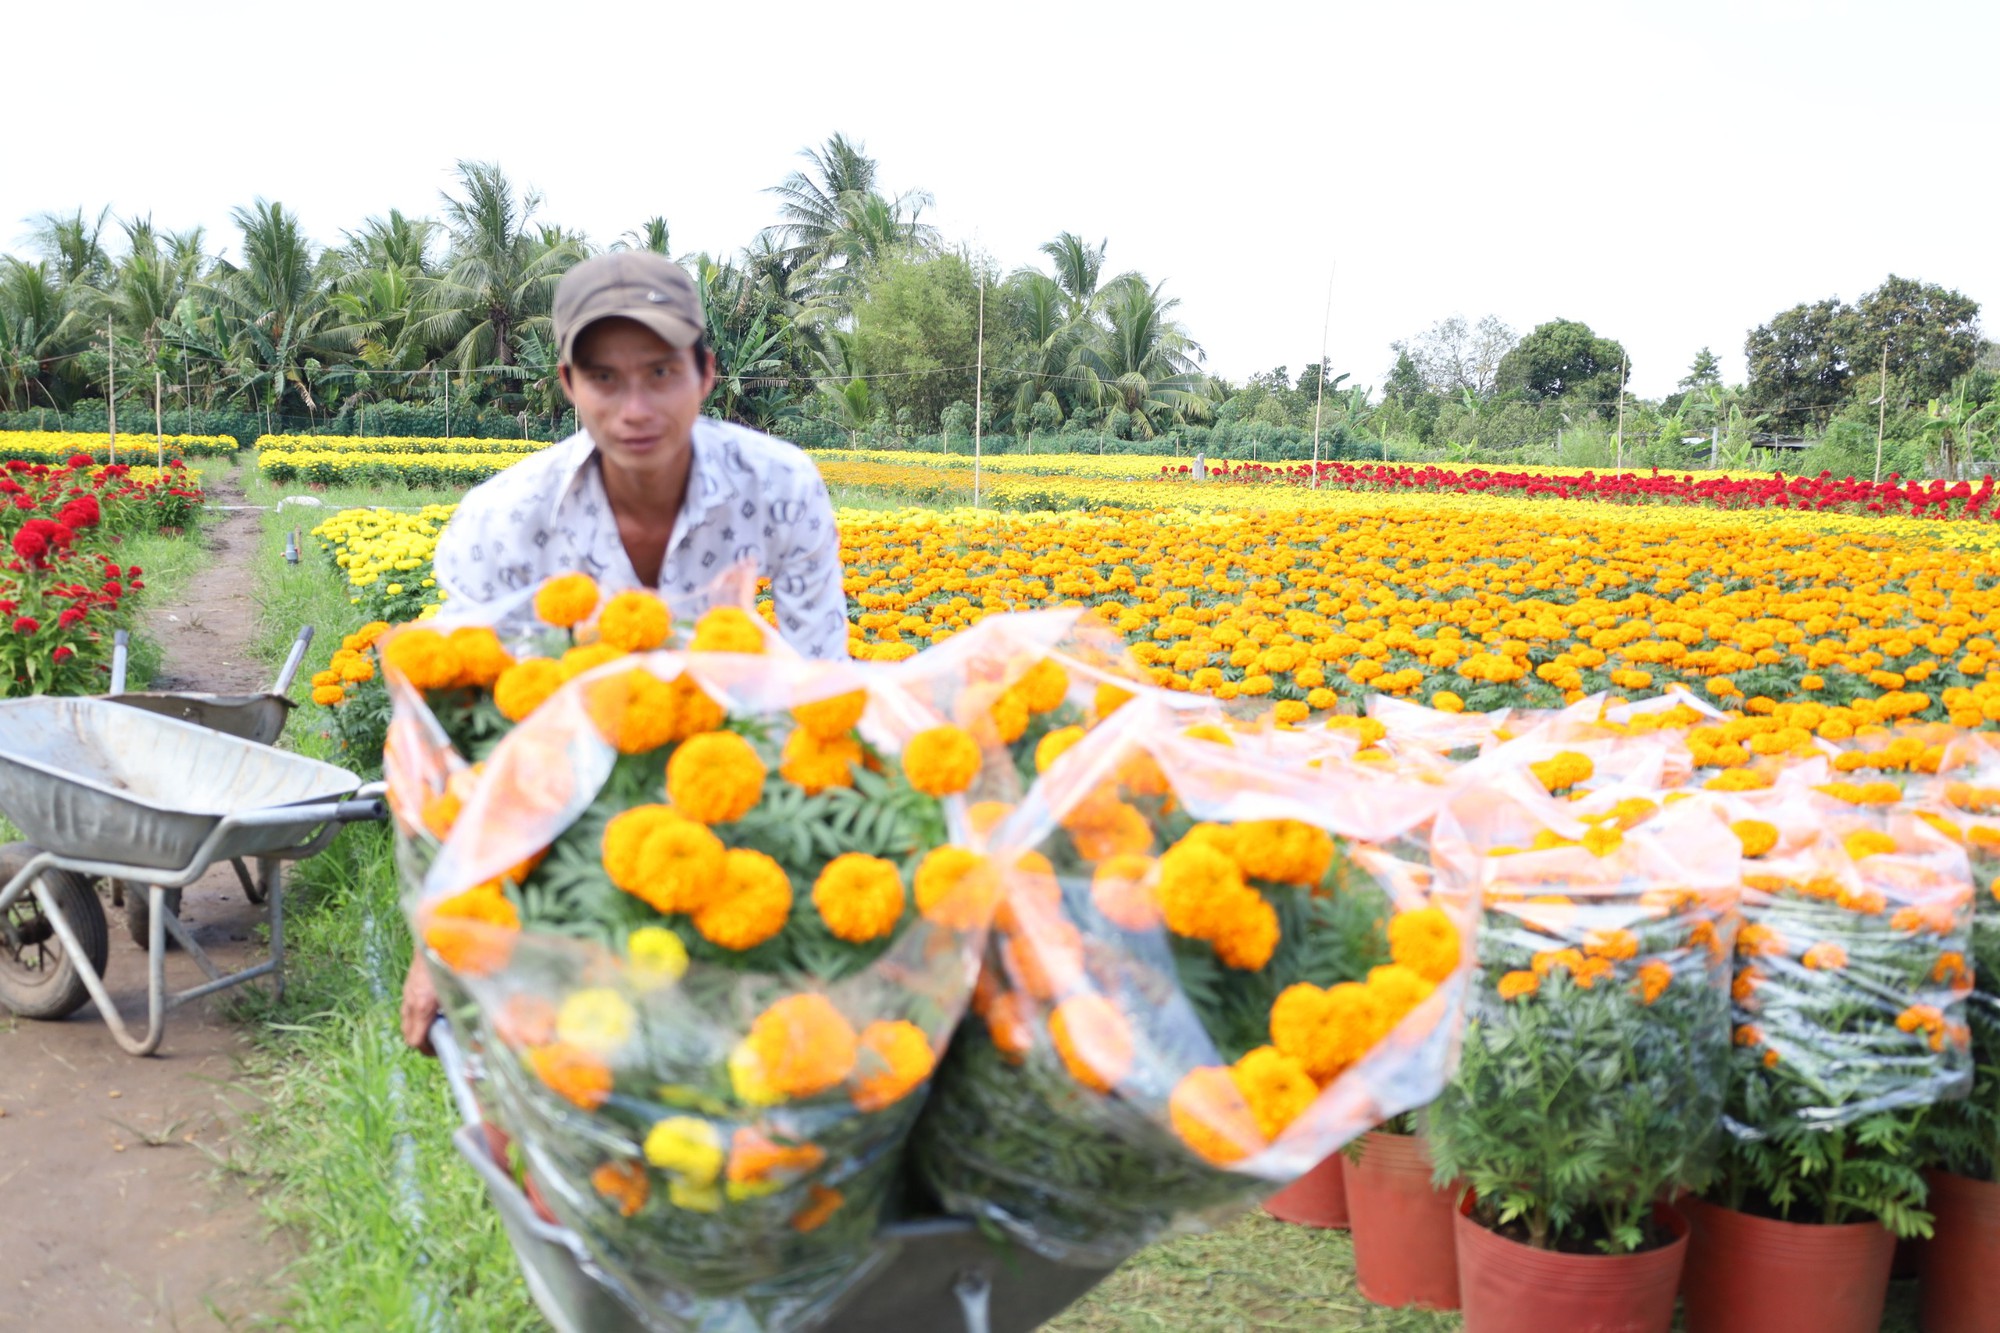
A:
671	328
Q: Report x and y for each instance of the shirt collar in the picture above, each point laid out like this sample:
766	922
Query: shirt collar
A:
707	486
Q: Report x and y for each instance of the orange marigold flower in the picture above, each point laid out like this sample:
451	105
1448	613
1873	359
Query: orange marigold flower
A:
956	888
1210	1114
637	711
1757	938
481	659
1043	686
727	629
1327	1030
1284	851
1951	970
1867	842
624	1184
1749	1034
1109	699
942	761
1397	990
859	897
832	719
715	777
1922	1017
755	1158
573	1074
1553	960
1756	836
1703	935
1826	956
1093	1040
1249	933
753	904
821	1204
1196	886
1123	890
1518	985
525	1020
634	621
1615	945
1045	960
473	932
816	764
1654	978
982	817
1563	770
1744	987
566	600
895	1058
526	686
670	863
1121	830
586	658
423	657
1054	745
1276	1086
1425	941
802	1045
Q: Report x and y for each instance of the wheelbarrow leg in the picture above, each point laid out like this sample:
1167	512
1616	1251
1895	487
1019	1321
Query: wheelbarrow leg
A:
156	1011
252	890
975	1300
272	873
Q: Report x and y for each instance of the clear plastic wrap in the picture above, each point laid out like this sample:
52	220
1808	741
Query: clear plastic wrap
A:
713	921
1212	968
1964	804
1597	1035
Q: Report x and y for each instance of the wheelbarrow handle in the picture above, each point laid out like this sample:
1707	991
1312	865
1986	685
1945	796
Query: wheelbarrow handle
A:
121	649
292	660
361	810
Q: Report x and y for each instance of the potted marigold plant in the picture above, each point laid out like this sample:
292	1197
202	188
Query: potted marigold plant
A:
1591	1082
704	917
1210	971
1849	1023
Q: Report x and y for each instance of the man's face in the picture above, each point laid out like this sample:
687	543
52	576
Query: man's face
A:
636	396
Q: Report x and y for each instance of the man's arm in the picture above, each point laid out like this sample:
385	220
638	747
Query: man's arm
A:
806	574
420	1004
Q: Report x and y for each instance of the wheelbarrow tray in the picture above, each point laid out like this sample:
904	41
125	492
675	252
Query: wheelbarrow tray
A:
251	717
95	780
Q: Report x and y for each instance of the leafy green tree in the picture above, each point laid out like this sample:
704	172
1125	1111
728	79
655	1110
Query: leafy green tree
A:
1931	332
1800	363
1564	359
917	329
501	274
1453	357
1143	363
1809	361
1706	370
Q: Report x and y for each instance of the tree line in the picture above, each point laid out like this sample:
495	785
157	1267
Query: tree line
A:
850	320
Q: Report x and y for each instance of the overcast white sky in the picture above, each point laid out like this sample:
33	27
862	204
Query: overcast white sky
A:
1671	173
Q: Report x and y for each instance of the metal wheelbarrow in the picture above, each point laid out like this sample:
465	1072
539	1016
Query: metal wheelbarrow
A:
945	1276
101	790
259	718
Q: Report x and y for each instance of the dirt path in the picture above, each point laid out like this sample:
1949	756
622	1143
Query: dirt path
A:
115	1209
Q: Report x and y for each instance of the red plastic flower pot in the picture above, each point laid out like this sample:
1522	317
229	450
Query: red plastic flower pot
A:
1404	1250
1507	1287
1961	1286
1315	1199
1748	1273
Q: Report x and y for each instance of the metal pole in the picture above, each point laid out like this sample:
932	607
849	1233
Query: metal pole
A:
1882	412
111	390
1621	414
1320	398
978	390
447	404
159	438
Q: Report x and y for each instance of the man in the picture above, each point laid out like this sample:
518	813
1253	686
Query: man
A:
649	493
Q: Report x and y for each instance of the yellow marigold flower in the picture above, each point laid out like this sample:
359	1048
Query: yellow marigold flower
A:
326	696
727	629
956	888
1426	941
832	719
1518	985
1093	1040
748	1080
1054	745
1123	890
566	600
1738	779
481	659
1757	836
364	638
596	1019
1326	1030
575	1075
624	1185
1209	731
634	621
1043	686
895	1058
801	1046
1284	851
942	761
982	817
1864	843
1109	699
655	957
1398	990
1196	887
1276	1086
1564	770
1210	1114
423	657
587	658
687	1146
715	777
815	764
859	897
754	903
526	686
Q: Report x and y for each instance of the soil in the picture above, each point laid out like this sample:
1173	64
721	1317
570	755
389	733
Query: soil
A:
117	1209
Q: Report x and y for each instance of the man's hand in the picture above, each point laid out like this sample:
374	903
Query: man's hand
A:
420	1005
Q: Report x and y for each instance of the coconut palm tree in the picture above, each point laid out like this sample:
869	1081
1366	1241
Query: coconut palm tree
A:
1142	361
649	235
501	274
272	308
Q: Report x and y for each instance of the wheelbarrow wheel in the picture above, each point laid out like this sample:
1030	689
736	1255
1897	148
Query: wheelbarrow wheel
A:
137	917
38	978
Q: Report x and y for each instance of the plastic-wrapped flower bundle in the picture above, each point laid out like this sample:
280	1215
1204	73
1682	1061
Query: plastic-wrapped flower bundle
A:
713	931
1965	806
1597	1035
1210	970
1850	993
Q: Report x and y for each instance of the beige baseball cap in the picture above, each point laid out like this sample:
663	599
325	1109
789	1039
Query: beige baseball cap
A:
638	285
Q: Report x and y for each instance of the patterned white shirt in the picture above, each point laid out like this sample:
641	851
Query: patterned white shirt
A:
750	498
